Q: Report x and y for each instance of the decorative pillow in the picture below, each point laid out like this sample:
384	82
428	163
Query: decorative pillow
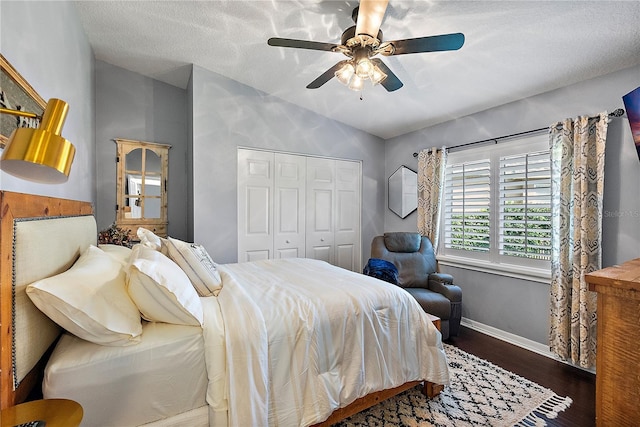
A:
197	264
149	239
117	252
191	257
161	290
90	300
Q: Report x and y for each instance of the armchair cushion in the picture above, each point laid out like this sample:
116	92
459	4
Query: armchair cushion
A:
402	242
432	302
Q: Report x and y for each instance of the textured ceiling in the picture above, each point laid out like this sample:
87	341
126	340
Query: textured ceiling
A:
513	50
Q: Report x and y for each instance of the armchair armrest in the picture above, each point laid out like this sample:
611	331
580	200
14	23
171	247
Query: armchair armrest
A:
443	284
445	278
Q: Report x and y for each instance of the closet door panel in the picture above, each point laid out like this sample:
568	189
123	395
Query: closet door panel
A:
255	205
257	255
289	205
320	209
347	227
257	211
346	257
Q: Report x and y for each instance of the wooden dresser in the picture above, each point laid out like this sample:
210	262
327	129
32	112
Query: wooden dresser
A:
618	353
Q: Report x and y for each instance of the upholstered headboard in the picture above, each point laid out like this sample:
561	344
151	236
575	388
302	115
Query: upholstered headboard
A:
39	237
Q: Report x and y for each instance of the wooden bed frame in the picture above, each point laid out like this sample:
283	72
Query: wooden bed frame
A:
17	206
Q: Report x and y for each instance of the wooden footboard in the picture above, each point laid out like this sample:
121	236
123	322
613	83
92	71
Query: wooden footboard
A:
430	390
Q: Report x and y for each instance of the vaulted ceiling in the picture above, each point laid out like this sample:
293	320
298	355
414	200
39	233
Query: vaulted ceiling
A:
512	50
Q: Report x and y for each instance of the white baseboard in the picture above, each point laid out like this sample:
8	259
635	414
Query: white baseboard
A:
516	340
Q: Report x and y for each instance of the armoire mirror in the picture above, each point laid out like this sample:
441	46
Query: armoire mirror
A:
403	191
142	172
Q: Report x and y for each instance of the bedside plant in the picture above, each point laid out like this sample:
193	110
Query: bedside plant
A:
114	235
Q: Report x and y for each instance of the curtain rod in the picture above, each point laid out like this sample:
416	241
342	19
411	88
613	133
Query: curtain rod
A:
616	113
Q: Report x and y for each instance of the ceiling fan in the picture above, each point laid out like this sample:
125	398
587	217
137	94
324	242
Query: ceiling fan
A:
362	42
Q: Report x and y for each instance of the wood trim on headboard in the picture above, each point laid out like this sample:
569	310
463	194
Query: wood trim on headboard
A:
16	206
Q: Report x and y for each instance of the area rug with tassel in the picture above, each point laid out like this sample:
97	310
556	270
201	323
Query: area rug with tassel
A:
480	394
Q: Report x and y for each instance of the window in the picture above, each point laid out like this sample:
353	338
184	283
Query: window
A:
468	207
525	206
497	207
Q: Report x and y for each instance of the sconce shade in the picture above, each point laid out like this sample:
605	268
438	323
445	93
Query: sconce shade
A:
42	154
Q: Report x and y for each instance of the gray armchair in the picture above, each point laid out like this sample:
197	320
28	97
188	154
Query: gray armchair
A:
415	260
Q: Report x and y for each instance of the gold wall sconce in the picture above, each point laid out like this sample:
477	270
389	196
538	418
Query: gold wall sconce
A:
42	154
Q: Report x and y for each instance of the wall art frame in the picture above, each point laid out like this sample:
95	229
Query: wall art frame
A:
16	94
632	105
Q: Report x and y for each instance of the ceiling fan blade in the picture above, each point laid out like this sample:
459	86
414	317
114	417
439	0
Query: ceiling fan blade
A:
427	44
370	14
391	82
325	77
301	44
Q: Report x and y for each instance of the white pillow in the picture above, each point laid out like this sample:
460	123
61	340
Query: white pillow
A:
119	253
161	290
90	300
197	264
191	257
149	239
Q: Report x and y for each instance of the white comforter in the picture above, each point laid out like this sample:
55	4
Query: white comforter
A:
302	338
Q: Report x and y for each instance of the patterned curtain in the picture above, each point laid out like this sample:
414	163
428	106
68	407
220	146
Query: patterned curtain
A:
577	174
431	164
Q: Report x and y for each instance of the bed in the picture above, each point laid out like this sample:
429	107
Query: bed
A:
282	342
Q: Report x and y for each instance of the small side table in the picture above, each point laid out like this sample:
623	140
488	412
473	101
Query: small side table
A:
54	412
435	320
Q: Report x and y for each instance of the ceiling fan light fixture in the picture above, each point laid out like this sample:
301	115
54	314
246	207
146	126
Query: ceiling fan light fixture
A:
362	42
356	83
364	68
345	73
377	76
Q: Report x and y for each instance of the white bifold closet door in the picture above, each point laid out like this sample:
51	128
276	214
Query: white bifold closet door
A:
271	220
333	212
288	204
298	206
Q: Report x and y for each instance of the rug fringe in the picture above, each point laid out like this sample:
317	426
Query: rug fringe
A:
550	408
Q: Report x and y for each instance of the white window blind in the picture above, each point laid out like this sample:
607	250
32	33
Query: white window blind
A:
525	205
497	208
468	206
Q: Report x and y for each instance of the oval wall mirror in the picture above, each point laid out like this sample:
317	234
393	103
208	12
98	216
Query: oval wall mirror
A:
403	191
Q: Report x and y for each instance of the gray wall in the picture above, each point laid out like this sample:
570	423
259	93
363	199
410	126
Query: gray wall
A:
519	306
132	106
45	42
227	115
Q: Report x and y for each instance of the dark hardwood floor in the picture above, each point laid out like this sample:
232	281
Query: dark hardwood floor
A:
563	379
